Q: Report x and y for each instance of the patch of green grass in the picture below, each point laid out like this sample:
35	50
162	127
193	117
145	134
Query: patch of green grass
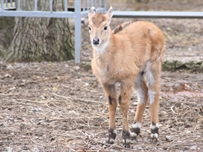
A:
191	66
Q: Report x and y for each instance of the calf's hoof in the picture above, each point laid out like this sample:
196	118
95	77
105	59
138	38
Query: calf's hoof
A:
154	132
126	138
135	130
112	136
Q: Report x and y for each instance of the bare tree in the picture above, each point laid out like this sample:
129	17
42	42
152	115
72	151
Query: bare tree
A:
41	39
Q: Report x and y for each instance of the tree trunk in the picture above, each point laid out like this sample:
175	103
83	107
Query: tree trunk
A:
41	39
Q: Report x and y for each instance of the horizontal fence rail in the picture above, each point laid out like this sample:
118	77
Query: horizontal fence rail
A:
157	14
13	9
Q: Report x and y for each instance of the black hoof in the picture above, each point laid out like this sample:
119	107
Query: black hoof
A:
126	138
154	132
135	130
112	136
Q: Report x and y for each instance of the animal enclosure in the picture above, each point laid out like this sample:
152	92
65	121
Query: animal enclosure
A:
61	107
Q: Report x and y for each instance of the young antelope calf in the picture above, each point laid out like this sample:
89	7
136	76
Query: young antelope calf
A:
131	54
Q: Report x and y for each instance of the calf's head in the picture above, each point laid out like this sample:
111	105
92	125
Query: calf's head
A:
99	28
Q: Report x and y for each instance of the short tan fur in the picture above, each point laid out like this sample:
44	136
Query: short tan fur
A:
131	55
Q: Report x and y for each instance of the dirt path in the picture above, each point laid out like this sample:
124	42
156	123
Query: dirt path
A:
61	107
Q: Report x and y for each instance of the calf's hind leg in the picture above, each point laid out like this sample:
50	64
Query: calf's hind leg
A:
142	96
152	76
110	92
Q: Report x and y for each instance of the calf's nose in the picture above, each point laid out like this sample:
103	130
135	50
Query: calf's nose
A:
95	41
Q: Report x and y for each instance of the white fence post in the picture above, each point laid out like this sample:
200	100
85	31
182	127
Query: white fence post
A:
77	31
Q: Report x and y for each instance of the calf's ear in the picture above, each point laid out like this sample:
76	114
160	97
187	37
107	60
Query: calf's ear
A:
92	11
110	12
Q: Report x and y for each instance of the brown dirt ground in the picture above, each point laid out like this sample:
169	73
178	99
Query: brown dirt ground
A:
59	107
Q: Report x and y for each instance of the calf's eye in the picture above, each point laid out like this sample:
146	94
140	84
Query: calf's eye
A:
105	28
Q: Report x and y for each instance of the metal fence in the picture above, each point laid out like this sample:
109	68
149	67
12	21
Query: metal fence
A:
78	11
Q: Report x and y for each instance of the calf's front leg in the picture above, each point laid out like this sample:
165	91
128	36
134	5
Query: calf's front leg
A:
124	101
110	92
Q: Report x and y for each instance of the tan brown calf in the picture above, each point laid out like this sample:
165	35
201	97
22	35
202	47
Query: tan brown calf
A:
131	55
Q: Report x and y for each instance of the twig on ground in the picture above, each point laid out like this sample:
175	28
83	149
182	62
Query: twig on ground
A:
173	110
